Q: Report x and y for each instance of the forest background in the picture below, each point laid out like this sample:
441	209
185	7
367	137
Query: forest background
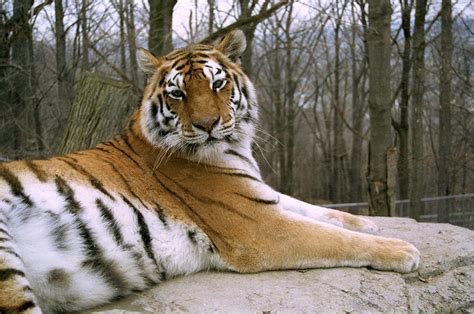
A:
359	100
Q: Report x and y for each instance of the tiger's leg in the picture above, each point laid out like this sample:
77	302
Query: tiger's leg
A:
332	216
16	295
290	241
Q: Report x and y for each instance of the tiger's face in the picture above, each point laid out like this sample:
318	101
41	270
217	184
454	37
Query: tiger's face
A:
198	100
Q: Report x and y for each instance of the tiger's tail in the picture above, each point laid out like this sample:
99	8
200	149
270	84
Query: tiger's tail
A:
16	295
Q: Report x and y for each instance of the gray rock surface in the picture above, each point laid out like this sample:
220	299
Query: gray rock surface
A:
444	282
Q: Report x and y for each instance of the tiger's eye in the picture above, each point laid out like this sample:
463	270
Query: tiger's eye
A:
218	84
177	94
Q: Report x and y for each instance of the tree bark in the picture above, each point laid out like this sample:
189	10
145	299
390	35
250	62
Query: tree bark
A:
416	122
8	126
27	134
100	110
379	106
85	35
161	26
339	153
65	90
357	71
444	144
289	101
402	126
131	38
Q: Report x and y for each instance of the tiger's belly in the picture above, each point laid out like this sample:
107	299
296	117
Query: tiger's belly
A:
83	246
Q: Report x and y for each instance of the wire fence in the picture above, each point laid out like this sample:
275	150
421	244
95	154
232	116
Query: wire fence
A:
460	209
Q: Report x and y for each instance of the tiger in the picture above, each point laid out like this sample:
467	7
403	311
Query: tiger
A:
177	192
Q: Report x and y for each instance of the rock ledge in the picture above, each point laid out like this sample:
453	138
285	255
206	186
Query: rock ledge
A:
445	282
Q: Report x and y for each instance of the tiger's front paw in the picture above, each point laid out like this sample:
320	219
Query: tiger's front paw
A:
396	255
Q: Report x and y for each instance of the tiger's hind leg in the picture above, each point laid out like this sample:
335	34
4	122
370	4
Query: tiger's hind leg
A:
327	215
16	295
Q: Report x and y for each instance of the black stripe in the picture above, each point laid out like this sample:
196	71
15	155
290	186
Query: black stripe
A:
7	273
59	231
111	272
93	180
161	105
96	261
9	250
245	92
237	84
259	200
5	233
67	192
200	54
239	174
125	181
112	223
26	306
4	240
192	211
38	172
180	67
207	200
15	185
143	229
153	113
125	153
192	236
244	158
126	141
161	215
175	63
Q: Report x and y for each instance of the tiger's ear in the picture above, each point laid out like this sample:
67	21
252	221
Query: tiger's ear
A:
232	45
147	61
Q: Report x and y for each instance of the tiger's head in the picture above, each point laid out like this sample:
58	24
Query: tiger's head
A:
198	100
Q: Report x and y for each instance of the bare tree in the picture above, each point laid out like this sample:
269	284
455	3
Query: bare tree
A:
161	23
379	106
64	79
339	153
445	136
131	39
28	132
85	65
401	126
416	123
358	74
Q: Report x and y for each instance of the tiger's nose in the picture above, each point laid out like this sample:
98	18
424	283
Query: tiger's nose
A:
206	124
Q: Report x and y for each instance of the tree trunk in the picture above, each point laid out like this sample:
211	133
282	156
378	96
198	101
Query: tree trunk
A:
64	79
249	31
357	116
8	126
416	123
379	106
100	110
402	126
85	36
131	38
444	144
122	22
27	138
339	153
161	26
210	27
289	101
